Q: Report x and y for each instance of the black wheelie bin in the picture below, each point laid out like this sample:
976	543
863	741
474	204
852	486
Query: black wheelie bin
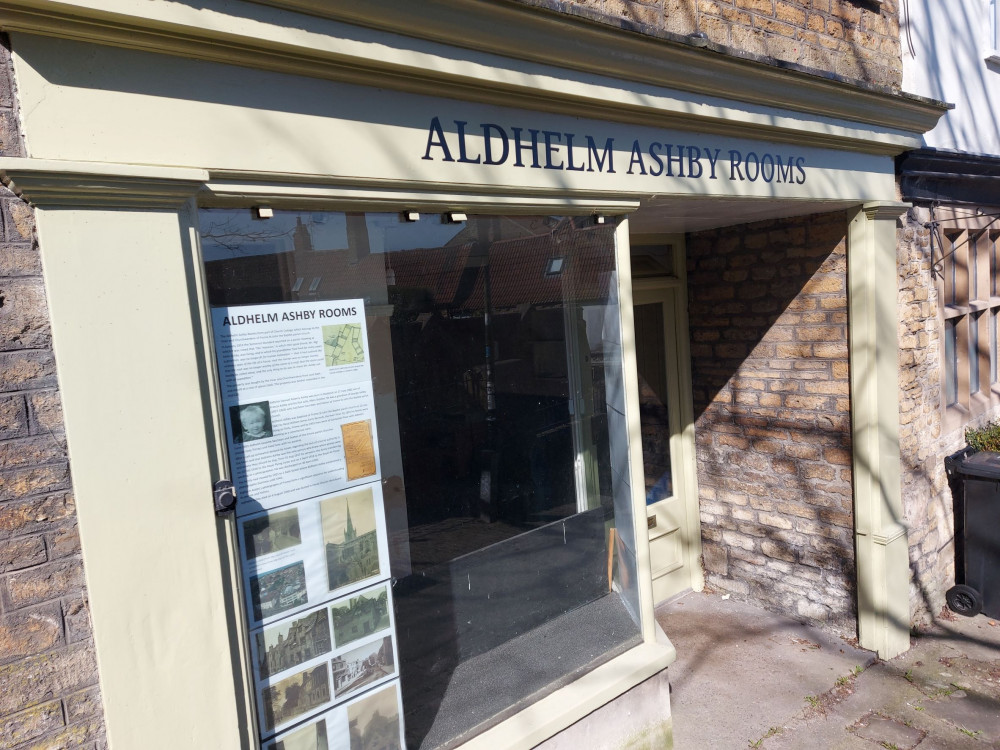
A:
975	481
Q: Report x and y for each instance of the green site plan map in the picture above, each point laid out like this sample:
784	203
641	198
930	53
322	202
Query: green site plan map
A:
343	344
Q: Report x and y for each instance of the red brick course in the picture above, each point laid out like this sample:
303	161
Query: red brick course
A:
49	694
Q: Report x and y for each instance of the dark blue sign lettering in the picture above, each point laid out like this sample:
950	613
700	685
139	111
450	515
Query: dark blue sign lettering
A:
551	149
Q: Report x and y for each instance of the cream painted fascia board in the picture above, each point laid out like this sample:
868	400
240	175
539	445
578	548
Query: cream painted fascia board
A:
53	182
566	706
837	115
44	182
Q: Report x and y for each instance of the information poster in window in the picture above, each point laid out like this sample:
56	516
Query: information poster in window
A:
300	423
298	400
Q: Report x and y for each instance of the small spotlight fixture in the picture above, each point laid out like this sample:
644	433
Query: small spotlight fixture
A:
263	212
454	217
698	39
411	216
599	219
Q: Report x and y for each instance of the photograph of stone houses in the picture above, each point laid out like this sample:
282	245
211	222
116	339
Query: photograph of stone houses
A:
295	696
361	615
292	642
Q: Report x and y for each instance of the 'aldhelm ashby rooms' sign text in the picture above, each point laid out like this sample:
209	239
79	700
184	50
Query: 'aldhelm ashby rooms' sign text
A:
549	149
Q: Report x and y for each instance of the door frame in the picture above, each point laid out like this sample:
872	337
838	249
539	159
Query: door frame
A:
672	291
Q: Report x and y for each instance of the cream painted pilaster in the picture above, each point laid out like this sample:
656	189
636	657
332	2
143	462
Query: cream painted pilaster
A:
880	534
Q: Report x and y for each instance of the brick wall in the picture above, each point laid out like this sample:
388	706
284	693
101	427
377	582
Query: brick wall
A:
769	360
856	39
49	696
927	501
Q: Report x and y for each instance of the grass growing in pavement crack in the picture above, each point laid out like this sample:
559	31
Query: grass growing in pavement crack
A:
759	743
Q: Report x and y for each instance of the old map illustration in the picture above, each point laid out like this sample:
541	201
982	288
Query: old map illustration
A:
343	344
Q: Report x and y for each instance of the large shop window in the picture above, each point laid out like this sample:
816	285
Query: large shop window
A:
968	288
426	423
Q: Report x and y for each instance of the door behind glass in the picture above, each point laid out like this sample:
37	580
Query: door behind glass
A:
666	511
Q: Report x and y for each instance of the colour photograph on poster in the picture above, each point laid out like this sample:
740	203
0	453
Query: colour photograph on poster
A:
361	615
297	557
291	696
364	665
317	634
371	720
278	590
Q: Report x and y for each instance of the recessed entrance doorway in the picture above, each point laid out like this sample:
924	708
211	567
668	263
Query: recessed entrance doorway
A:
666	414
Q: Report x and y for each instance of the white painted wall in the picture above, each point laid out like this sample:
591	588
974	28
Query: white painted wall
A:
947	49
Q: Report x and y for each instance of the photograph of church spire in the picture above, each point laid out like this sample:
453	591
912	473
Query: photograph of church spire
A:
349	532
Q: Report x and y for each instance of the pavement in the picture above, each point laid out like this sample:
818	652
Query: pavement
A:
746	678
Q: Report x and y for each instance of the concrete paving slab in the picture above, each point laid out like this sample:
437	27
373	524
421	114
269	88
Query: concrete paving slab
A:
967	710
742	677
741	670
888	732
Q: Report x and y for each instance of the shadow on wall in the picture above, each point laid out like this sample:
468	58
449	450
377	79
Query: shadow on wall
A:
770	370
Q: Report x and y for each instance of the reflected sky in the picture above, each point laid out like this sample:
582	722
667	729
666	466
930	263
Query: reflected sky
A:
236	233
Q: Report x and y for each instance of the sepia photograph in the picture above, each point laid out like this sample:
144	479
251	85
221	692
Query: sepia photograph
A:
362	666
271	533
250	421
350	537
374	721
292	643
361	615
278	590
310	737
295	696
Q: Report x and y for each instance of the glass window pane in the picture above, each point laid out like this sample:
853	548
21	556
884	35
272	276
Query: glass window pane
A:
973	268
950	363
496	359
974	353
651	360
993	346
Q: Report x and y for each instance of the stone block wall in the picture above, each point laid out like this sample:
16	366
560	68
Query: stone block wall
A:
927	500
49	694
855	39
769	360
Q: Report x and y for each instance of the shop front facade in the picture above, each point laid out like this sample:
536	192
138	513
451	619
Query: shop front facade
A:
505	325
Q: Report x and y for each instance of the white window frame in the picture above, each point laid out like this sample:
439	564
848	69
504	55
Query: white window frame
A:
993	43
